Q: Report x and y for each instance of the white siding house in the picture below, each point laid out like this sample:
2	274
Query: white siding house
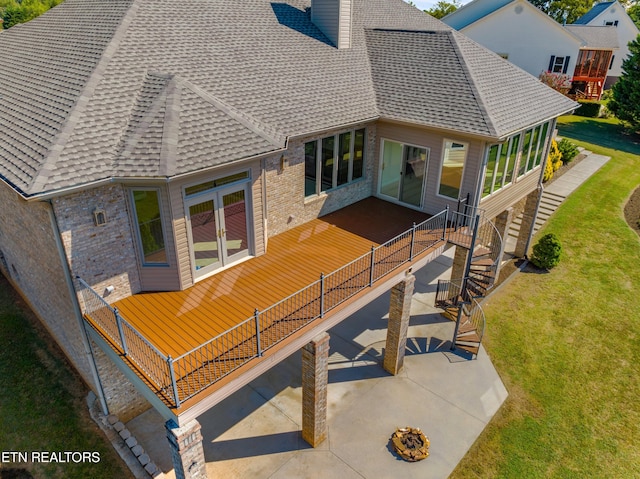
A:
521	33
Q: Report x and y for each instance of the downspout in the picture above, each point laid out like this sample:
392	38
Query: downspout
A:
76	307
540	188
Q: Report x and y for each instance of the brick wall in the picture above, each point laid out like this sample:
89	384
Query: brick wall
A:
286	204
33	264
101	255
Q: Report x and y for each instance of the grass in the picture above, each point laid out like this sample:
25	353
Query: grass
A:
42	403
567	343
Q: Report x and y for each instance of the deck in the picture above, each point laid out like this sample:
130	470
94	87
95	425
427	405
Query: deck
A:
210	328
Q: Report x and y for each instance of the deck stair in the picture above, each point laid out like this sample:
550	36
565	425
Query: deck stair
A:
459	298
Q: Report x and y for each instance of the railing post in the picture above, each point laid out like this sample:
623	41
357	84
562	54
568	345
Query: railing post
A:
373	263
322	295
256	315
174	386
413	238
446	222
125	350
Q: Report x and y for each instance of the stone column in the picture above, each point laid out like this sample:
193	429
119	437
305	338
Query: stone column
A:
187	452
502	224
528	219
399	314
315	378
459	264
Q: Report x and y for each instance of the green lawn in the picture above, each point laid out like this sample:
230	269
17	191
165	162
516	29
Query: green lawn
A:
42	404
567	343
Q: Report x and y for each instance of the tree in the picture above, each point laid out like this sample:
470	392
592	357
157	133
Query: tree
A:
21	11
564	11
625	103
443	8
634	14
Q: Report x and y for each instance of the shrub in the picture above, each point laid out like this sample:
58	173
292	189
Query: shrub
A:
568	150
588	108
546	252
554	161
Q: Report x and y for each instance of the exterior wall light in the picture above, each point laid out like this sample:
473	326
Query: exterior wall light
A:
99	217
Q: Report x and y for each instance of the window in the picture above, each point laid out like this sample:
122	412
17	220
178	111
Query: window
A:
611	24
501	164
150	230
533	148
333	161
559	64
453	161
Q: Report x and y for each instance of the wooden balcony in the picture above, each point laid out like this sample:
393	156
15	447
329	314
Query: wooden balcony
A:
184	344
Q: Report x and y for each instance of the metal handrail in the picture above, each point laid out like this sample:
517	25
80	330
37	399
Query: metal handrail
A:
222	354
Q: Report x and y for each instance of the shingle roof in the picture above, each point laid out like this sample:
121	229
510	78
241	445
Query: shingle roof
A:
598	37
597	9
96	89
463	91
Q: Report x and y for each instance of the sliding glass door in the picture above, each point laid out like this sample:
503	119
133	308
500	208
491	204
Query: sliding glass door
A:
403	172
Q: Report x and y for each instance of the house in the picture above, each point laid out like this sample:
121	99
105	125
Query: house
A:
614	15
520	33
530	39
192	191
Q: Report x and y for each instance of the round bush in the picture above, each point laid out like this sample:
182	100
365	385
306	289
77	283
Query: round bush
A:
546	252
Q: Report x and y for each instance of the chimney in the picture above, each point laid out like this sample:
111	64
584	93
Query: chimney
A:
333	18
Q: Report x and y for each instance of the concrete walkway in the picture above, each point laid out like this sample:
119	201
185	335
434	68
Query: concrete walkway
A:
256	432
554	194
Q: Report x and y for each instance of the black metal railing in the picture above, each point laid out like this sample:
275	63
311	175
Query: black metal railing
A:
185	376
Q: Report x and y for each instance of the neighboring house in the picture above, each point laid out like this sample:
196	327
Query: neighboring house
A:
519	32
535	42
613	14
194	163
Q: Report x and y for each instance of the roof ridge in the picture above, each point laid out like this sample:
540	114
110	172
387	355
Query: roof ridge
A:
38	184
454	35
137	125
256	126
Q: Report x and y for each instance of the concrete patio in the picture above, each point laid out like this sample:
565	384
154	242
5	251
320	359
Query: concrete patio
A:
256	432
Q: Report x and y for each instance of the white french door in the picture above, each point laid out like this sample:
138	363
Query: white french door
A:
218	228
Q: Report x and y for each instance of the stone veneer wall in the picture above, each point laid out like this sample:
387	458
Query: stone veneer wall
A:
286	204
103	256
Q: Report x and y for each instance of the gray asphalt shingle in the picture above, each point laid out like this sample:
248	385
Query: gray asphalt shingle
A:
144	88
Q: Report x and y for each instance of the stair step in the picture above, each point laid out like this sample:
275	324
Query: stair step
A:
481	251
470	349
470	337
482	262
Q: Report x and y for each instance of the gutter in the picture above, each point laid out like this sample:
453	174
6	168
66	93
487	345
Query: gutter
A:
76	308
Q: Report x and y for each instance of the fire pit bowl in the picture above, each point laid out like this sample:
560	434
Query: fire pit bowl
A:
410	443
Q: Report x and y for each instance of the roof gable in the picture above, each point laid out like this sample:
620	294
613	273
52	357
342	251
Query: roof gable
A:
472	12
596	10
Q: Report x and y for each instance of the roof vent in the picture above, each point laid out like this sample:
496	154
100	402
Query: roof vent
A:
333	18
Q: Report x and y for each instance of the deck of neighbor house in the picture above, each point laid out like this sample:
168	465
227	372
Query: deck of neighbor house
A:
222	322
